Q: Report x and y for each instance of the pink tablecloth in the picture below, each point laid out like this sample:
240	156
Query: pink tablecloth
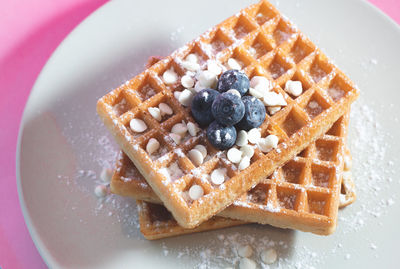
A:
29	33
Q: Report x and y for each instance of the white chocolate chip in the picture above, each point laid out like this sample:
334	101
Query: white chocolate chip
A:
191	66
137	125
106	175
165	109
347	175
202	149
273	109
274	99
196	157
196	192
152	146
295	88
235	92
186	97
244	163
234	155
269	256
218	176
193	91
214	67
179	129
347	162
233	64
155	113
247	150
198	87
246	263
170	77
192	58
100	191
187	81
192	128
260	84
245	251
207	79
254	135
256	93
241	138
190	74
177	94
176	138
268	143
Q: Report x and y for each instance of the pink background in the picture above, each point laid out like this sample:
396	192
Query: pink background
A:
29	32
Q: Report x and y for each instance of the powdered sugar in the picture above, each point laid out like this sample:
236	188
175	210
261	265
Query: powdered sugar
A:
371	170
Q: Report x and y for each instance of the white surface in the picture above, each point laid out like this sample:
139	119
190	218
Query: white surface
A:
63	146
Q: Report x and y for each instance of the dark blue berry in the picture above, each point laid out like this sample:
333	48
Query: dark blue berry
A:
228	109
201	106
254	114
220	136
233	79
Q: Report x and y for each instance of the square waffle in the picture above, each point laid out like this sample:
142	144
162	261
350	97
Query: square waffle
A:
156	222
266	44
290	198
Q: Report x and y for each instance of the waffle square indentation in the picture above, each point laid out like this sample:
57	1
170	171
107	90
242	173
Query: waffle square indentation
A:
293	123
326	150
293	172
300	50
317	203
242	27
259	47
286	198
219	42
264	14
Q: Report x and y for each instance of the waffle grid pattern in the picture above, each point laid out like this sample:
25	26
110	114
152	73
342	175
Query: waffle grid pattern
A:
303	193
265	44
304	189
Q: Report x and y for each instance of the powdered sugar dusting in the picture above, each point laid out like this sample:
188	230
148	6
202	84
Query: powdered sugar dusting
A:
373	172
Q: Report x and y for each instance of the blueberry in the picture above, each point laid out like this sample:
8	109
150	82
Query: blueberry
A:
201	106
233	79
254	114
228	109
221	136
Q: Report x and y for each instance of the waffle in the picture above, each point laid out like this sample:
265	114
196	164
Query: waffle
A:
266	44
156	222
297	195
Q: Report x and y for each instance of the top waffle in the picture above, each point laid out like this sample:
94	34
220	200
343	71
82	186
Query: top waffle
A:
265	44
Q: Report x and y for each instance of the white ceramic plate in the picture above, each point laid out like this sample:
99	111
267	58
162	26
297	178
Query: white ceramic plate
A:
63	146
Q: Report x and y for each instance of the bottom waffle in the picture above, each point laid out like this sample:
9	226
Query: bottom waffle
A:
156	222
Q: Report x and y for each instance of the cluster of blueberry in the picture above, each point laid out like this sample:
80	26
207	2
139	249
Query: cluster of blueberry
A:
227	109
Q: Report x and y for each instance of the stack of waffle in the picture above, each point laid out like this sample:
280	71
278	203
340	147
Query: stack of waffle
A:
299	184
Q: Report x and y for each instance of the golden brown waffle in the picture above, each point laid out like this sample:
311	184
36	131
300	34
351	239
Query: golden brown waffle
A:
266	44
290	198
127	181
156	222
